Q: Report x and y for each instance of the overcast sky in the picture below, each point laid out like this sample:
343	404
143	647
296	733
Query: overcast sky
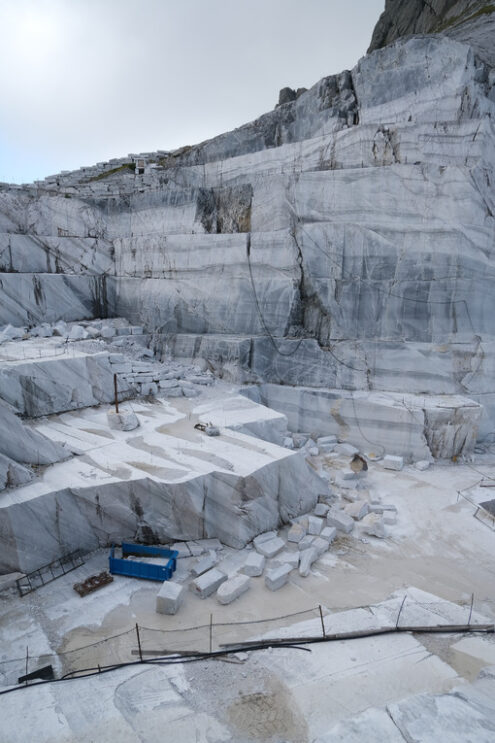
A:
87	80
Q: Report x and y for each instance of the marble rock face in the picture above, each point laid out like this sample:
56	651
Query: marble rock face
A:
470	21
51	384
150	481
416	427
342	241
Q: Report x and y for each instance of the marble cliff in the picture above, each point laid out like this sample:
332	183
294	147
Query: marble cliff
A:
341	244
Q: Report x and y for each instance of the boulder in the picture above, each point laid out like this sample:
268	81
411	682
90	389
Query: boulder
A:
124	420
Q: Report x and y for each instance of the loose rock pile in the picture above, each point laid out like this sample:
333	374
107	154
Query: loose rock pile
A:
348	510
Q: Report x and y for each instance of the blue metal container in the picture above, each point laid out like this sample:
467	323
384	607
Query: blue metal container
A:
147	571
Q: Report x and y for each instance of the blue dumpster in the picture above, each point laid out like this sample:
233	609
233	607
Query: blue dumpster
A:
147	571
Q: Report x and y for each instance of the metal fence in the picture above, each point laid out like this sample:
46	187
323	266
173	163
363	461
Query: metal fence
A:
146	644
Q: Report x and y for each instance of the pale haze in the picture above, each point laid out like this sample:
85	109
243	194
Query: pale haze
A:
86	80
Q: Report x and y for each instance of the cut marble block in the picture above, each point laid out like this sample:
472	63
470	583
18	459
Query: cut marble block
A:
329	533
233	588
296	533
205	563
315	525
393	463
254	565
357	510
265	537
270	547
306	542
170	597
321	545
321	509
287	558
277	577
207	583
340	520
308	557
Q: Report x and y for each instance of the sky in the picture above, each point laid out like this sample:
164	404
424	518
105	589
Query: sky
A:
82	81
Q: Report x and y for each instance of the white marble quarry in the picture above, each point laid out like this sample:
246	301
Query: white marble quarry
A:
170	597
165	477
343	240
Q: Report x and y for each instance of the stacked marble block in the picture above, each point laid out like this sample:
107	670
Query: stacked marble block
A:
151	378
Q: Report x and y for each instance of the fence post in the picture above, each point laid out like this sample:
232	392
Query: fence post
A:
139	643
211	632
471	609
115	393
322	622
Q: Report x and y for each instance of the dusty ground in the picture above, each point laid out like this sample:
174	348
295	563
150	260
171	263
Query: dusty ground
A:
437	546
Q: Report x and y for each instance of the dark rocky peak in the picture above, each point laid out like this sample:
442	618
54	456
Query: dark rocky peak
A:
469	21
